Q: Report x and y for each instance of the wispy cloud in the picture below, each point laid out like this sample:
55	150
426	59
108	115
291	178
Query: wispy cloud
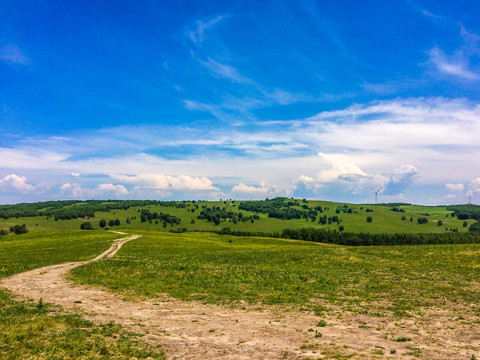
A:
13	55
360	146
225	71
198	34
456	65
425	12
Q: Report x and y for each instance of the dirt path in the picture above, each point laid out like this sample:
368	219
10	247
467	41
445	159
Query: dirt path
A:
190	330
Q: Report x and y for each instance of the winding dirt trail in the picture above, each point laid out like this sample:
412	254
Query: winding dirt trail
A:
191	330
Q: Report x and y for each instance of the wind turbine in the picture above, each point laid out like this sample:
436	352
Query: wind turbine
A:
376	193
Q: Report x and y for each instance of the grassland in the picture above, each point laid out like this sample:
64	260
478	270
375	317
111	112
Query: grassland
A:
37	330
384	220
233	270
386	282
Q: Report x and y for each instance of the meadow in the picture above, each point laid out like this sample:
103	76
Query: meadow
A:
392	283
383	219
263	271
35	330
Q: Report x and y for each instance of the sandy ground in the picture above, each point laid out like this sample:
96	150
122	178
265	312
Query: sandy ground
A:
191	330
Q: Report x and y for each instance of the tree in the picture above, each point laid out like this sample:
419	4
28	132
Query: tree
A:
19	229
475	227
465	224
369	219
439	222
117	222
422	220
111	222
102	223
341	228
87	225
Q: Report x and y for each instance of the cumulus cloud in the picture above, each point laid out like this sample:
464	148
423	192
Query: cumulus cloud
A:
338	167
400	179
242	189
74	190
78	192
455	187
162	182
474	186
16	183
358	146
117	189
75	174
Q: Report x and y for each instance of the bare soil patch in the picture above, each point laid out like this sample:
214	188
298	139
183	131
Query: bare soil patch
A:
192	330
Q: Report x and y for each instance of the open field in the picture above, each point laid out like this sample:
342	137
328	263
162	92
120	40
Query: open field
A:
240	297
33	329
237	270
384	220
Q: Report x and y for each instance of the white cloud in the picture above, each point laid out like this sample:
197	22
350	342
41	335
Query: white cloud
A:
225	71
455	65
75	174
243	189
455	187
358	146
197	35
474	186
75	190
78	192
338	167
162	182
16	183
13	55
401	178
117	189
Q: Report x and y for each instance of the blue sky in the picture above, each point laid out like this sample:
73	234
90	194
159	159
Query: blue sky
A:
244	100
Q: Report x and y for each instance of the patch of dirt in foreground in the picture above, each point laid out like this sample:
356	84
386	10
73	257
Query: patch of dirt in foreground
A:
191	330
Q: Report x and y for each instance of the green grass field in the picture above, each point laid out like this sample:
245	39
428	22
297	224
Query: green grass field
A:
383	281
383	219
230	270
33	330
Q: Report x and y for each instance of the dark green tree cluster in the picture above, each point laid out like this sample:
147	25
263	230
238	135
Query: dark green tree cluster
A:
367	239
147	215
72	209
345	209
87	225
218	214
328	220
465	212
19	229
115	222
422	220
475	227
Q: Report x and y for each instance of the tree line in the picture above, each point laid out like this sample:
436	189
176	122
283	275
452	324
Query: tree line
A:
363	239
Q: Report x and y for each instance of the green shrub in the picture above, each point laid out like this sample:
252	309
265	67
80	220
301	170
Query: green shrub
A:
87	225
